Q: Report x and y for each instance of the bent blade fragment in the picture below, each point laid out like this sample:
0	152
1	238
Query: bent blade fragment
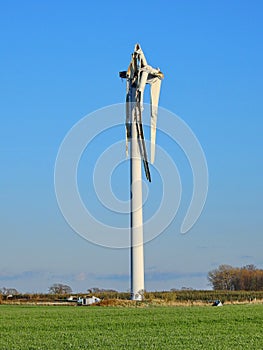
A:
155	93
141	87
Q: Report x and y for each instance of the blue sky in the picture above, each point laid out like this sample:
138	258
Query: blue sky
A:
59	62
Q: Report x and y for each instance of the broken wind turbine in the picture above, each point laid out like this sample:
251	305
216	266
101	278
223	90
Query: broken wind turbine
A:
138	74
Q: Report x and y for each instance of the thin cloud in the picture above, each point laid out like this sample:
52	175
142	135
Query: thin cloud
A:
172	275
152	276
4	276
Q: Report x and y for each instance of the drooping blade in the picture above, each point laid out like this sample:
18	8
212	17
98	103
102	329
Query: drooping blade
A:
155	93
141	142
141	86
128	117
143	152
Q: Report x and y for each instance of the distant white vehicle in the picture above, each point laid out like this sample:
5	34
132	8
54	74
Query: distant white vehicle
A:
72	298
88	301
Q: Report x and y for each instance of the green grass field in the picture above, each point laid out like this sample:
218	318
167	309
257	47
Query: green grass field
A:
197	327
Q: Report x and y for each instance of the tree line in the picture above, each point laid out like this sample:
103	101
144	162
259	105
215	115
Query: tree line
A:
57	289
227	277
224	278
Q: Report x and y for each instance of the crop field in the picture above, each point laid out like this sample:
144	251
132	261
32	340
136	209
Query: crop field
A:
67	327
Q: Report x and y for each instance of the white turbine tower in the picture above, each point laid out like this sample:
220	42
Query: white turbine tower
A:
139	74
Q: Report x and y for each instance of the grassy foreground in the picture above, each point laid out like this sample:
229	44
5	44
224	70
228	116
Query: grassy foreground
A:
198	327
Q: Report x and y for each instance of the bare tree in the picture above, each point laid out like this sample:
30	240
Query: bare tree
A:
9	291
226	277
59	288
222	277
95	290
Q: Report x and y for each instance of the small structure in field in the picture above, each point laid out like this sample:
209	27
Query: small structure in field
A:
86	301
72	299
217	303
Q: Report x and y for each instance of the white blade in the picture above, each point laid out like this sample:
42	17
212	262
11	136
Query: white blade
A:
155	93
138	51
141	87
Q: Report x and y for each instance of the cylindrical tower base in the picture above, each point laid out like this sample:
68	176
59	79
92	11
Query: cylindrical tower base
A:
137	259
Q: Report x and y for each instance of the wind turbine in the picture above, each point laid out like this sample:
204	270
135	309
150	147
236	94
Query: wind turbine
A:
138	74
